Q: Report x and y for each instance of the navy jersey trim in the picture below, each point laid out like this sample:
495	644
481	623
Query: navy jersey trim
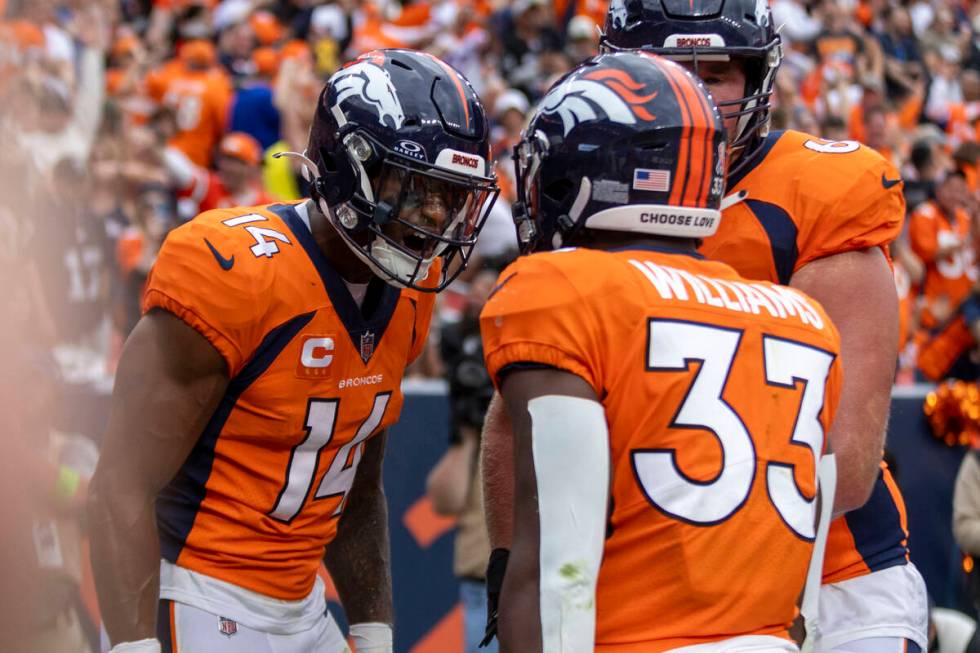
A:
177	504
877	529
782	232
662	249
385	295
164	634
757	157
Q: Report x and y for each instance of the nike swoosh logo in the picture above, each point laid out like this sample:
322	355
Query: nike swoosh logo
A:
225	263
888	183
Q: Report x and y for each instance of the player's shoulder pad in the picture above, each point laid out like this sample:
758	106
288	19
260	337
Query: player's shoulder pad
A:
836	173
842	195
238	249
547	280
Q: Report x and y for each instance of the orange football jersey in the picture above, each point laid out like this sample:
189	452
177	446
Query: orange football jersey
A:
809	198
313	376
200	100
717	392
948	279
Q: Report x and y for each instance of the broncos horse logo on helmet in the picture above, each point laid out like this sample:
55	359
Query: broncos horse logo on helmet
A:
399	163
625	142
370	83
610	92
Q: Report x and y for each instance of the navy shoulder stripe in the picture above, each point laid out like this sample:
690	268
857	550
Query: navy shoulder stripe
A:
177	505
782	233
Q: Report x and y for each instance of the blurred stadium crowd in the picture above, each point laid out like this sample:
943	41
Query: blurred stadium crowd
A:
120	119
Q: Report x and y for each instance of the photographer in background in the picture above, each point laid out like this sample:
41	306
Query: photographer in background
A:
454	485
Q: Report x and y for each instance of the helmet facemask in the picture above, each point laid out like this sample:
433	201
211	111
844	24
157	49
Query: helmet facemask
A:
403	214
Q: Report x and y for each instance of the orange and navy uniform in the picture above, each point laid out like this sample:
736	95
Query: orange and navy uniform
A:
809	198
200	100
949	279
647	328
312	377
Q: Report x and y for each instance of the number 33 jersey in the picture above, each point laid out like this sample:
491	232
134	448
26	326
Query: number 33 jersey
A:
312	377
808	199
718	393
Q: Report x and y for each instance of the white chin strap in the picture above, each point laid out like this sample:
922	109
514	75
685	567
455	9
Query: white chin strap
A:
400	266
399	269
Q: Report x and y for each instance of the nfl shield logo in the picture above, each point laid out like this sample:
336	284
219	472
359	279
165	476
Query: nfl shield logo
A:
367	345
227	627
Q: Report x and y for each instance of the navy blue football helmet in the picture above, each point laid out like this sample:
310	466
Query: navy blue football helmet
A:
399	160
627	141
708	30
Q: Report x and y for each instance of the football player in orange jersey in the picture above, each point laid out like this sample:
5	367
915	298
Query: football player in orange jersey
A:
940	235
200	92
669	415
246	434
817	216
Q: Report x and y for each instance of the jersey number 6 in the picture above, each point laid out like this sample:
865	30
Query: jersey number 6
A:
673	346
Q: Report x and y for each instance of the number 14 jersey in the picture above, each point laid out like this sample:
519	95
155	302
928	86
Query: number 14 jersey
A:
718	392
313	376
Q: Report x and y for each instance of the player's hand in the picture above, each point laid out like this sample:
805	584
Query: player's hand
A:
496	569
141	646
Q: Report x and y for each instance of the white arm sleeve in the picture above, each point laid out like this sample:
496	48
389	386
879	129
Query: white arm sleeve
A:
809	605
570	445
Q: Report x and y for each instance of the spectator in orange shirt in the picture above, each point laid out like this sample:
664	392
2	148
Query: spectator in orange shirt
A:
237	182
199	92
939	232
963	124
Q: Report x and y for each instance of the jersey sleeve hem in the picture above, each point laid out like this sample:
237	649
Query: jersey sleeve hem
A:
527	352
155	298
852	246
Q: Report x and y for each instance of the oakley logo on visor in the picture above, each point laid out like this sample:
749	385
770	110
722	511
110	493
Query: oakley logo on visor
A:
411	149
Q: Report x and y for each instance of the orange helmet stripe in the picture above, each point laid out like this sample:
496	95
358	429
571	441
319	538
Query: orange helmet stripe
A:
683	159
709	137
453	75
700	123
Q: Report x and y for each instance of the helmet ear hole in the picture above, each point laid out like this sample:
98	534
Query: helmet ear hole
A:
336	182
559	191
